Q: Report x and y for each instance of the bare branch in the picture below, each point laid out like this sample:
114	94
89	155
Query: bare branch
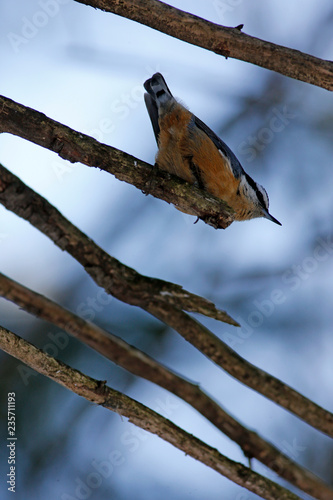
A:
138	363
99	393
121	281
76	147
129	286
259	380
228	42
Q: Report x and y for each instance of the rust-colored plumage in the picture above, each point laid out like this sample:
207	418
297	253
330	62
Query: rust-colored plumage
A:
190	150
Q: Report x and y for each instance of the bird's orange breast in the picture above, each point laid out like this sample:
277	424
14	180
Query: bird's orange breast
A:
188	152
181	144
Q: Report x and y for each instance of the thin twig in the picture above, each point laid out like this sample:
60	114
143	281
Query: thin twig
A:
227	42
97	392
142	365
76	147
129	286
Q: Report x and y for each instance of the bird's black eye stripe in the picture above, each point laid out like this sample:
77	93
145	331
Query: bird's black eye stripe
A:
256	190
159	93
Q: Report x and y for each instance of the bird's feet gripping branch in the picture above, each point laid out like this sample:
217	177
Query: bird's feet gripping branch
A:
192	151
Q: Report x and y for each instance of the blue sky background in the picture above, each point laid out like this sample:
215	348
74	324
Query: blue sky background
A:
85	68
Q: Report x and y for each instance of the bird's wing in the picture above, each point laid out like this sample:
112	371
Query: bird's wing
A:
153	114
225	150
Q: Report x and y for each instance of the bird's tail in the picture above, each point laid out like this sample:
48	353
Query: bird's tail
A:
158	89
158	95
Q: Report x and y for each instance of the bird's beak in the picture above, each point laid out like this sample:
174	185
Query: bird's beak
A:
268	216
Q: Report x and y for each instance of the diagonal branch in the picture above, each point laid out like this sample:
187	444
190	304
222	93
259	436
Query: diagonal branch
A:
142	365
121	281
228	42
129	286
76	147
259	380
138	414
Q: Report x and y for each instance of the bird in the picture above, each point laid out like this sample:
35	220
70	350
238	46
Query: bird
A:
188	148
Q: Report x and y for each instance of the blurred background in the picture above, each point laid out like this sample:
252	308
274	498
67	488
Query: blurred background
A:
85	68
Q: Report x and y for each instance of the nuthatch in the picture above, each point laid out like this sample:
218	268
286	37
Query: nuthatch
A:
192	151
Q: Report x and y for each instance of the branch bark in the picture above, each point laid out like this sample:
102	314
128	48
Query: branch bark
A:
76	147
227	42
98	392
138	363
73	146
119	280
163	300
